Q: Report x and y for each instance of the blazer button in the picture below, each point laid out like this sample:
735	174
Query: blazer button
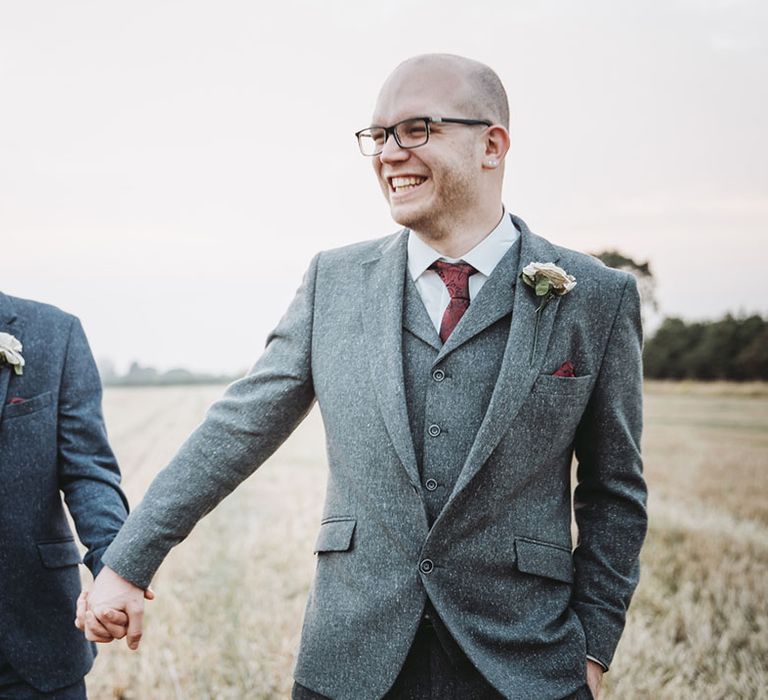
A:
438	375
434	430
426	566
431	484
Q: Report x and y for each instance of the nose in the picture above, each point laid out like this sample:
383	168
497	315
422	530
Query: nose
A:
392	152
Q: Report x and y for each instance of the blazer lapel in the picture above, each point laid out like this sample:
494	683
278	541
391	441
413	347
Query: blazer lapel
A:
383	284
8	324
520	365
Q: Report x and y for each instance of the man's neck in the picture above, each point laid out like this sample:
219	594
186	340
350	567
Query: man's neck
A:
462	236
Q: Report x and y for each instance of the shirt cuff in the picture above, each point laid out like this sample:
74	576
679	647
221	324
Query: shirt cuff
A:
597	661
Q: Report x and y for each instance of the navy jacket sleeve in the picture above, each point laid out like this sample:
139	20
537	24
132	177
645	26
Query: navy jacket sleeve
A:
87	468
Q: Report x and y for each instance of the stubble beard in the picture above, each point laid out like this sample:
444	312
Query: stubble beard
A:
437	219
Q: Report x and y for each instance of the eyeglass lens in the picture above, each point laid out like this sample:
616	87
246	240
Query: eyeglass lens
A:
409	134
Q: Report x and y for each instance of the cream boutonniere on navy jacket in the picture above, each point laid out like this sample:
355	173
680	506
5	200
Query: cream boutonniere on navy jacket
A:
548	281
10	352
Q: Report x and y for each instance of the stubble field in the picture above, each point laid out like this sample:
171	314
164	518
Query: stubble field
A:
230	599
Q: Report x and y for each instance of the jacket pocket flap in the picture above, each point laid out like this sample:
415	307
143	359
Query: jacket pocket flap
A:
335	535
36	403
543	559
57	554
562	386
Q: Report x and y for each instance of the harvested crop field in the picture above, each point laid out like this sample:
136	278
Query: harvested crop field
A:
230	599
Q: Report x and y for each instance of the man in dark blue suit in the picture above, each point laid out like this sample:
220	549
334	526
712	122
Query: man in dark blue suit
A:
52	441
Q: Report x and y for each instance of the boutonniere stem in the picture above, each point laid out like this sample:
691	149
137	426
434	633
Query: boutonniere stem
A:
547	281
539	308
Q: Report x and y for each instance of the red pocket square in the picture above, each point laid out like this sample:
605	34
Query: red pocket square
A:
15	400
565	370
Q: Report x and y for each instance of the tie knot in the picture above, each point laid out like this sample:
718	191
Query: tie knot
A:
455	277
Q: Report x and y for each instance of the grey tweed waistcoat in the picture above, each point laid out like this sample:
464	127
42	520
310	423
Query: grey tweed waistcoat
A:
447	402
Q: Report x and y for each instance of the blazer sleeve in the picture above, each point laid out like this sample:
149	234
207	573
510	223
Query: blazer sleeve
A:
610	497
240	431
88	473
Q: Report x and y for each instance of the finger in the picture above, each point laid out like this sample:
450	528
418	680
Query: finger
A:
116	629
115	617
95	638
82	602
149	594
135	620
92	634
96	630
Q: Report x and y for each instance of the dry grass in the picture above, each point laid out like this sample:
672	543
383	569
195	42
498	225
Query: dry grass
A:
698	627
227	619
716	388
230	600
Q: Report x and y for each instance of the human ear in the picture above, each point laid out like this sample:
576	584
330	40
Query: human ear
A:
496	143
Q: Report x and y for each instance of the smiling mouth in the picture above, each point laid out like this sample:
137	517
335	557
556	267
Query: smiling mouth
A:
399	185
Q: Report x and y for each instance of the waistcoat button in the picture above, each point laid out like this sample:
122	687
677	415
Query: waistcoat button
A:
426	566
434	430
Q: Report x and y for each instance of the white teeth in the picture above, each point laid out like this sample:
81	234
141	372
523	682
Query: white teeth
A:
399	183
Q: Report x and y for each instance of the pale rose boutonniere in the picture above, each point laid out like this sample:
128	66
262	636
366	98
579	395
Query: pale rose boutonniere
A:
10	352
548	281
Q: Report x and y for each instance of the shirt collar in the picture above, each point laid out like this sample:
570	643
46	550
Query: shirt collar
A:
483	257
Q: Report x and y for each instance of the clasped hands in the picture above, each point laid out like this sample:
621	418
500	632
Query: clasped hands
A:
112	609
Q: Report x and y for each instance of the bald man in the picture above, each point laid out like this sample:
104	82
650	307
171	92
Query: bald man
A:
459	364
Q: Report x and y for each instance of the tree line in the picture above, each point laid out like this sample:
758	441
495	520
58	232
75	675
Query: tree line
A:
138	375
729	348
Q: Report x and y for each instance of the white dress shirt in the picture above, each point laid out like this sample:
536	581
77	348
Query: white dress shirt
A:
483	257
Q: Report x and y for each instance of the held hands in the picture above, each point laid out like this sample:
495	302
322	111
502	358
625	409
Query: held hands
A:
594	677
113	609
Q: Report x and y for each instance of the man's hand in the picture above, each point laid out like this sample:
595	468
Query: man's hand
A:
594	677
113	609
113	616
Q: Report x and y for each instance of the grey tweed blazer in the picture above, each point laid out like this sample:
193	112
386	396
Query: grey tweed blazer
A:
497	563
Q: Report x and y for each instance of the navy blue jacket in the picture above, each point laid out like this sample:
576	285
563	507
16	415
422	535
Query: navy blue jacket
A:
52	441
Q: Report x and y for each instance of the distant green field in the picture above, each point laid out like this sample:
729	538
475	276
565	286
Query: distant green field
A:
230	600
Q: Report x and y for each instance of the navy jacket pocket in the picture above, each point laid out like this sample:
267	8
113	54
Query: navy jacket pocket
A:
544	559
55	555
14	410
335	535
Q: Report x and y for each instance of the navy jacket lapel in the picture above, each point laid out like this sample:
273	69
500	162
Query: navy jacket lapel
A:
8	324
383	286
520	365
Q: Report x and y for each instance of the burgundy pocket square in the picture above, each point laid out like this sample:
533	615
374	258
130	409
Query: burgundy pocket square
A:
565	370
15	400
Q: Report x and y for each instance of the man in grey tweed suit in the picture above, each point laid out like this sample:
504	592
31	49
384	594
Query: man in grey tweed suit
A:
453	397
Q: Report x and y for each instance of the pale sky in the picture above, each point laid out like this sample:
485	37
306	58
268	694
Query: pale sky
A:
168	169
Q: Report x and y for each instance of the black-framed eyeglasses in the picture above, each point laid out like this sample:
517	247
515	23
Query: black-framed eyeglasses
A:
409	133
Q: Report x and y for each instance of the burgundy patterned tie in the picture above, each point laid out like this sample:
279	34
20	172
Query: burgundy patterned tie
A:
455	276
